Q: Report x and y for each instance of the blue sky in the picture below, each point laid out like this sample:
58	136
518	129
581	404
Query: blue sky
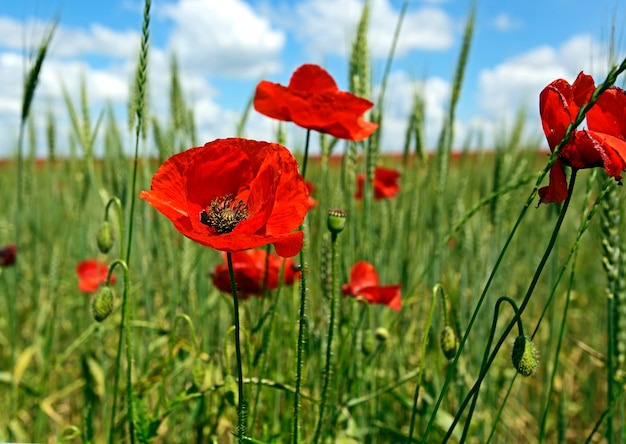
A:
225	47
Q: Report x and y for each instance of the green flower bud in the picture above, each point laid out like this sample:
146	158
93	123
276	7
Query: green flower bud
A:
231	391
381	334
524	356
198	373
368	343
103	304
105	237
449	342
336	220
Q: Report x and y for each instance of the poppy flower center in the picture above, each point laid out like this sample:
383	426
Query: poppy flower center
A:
224	213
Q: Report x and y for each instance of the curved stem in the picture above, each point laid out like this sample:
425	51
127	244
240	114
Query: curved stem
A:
522	306
241	406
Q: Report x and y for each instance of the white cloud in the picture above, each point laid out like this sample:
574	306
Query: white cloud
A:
223	38
329	26
504	22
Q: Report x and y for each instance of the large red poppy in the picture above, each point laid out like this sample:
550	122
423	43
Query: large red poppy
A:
364	283
385	183
602	144
7	255
250	273
312	100
232	195
91	274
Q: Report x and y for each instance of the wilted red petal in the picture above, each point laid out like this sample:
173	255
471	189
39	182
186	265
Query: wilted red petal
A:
8	255
91	274
556	191
312	100
263	176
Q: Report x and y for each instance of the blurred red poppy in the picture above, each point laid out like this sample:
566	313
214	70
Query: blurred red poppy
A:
311	188
249	268
602	144
312	100
385	183
91	274
232	195
364	283
7	255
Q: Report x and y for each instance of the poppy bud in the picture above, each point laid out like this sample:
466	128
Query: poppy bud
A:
381	334
449	342
368	343
105	237
336	220
198	373
524	356
230	390
103	304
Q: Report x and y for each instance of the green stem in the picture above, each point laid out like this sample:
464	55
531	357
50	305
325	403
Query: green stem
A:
522	307
302	320
328	368
241	406
433	304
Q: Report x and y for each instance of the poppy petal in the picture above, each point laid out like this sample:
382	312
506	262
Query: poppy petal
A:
556	191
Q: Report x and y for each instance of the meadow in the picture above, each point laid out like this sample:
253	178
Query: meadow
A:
161	354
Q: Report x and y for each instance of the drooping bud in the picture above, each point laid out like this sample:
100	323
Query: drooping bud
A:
449	342
367	346
336	220
103	304
105	237
524	356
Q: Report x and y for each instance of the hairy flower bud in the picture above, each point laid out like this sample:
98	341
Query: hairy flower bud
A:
524	356
381	334
105	237
449	342
103	304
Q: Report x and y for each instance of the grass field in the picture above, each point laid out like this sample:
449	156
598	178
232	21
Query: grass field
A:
463	231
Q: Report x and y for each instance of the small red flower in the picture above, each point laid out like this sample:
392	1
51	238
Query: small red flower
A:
312	100
311	188
385	183
249	269
364	283
602	144
232	195
7	255
91	274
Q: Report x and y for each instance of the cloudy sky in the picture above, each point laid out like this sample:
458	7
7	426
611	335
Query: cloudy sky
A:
225	47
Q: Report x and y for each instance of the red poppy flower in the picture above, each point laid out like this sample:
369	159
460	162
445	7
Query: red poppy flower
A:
7	255
249	269
364	283
312	100
602	144
91	274
385	183
232	195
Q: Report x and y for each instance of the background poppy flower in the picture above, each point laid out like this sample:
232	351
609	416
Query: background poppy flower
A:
91	274
232	195
602	144
312	100
7	255
385	183
249	269
310	187
364	283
